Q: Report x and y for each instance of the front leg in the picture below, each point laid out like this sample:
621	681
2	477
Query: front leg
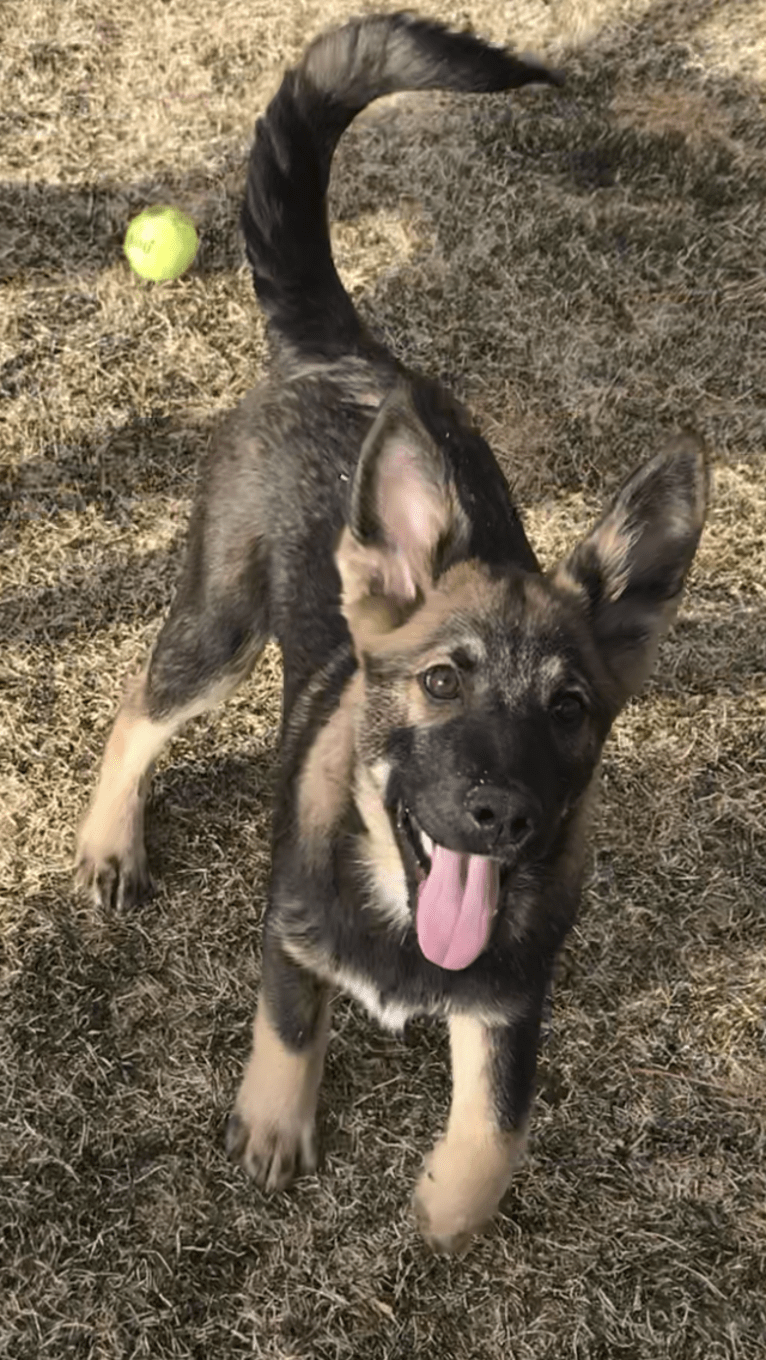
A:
468	1172
271	1129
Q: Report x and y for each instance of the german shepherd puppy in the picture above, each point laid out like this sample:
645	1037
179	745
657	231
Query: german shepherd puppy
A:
445	702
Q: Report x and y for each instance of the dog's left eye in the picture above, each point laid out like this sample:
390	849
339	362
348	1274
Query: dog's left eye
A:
568	708
442	682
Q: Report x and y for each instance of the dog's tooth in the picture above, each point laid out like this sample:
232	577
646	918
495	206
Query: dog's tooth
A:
428	844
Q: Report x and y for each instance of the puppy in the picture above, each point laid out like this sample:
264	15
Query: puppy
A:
445	702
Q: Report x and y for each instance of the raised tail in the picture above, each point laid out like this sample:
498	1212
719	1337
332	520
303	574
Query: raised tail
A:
284	216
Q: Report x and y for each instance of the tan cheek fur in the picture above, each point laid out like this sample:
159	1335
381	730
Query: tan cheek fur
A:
380	851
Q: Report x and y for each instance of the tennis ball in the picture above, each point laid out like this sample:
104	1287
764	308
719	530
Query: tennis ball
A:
161	243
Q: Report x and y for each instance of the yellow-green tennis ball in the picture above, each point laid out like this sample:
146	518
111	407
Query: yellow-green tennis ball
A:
161	243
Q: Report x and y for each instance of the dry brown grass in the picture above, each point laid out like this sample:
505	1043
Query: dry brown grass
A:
588	271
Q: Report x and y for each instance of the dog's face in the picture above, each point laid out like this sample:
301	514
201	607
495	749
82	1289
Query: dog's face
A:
483	721
489	689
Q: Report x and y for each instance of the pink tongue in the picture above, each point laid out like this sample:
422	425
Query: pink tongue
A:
456	905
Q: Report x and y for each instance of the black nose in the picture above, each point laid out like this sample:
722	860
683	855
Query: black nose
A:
506	817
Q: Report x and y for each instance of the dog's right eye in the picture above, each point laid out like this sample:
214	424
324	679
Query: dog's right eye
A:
441	682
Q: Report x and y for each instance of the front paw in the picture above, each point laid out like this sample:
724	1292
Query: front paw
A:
111	865
271	1130
271	1154
459	1191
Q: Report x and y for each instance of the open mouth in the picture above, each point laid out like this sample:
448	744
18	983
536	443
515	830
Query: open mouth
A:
458	895
419	842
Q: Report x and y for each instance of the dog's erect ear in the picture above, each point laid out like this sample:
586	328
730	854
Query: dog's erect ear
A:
404	514
630	570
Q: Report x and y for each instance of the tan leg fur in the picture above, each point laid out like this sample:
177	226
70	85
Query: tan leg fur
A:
272	1128
111	838
467	1173
110	858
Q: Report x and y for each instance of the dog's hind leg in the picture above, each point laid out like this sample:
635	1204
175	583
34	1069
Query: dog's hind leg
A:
468	1172
211	639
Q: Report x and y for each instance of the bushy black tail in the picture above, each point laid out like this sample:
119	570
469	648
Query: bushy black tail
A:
284	217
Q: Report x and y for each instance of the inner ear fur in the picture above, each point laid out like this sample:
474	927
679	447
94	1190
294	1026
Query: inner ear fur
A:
630	570
404	511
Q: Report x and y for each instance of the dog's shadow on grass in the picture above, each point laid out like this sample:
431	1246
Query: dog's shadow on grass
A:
108	474
107	469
